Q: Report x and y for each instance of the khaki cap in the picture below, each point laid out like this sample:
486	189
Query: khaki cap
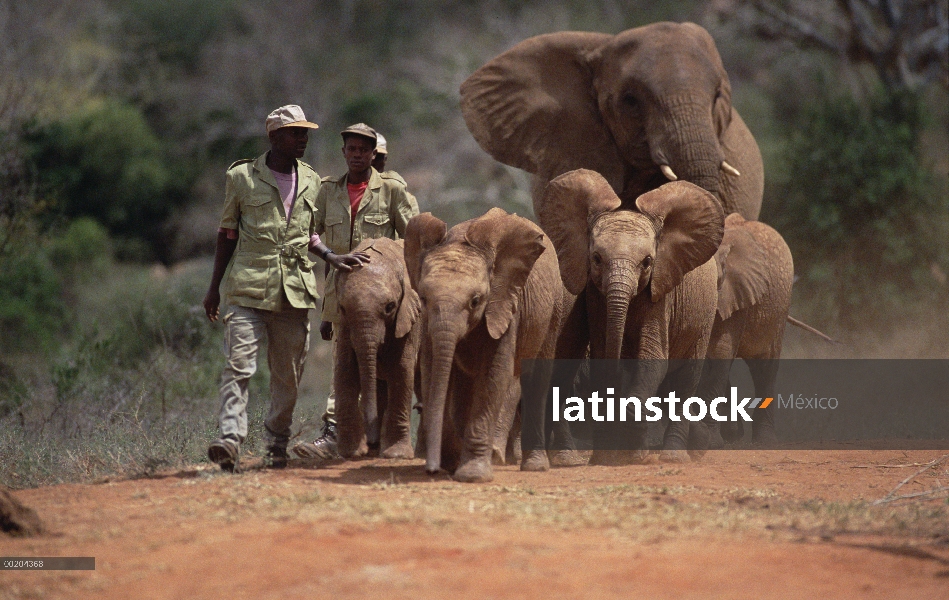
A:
290	115
360	129
381	144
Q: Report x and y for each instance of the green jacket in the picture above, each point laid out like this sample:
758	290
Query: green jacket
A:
271	254
384	211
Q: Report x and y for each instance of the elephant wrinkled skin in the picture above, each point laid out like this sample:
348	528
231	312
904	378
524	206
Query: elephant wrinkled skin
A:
491	296
376	352
755	275
641	107
649	282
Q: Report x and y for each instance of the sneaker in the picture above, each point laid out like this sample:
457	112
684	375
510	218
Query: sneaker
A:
224	452
276	457
323	447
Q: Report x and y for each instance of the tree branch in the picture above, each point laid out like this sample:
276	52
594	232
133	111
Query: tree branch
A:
800	30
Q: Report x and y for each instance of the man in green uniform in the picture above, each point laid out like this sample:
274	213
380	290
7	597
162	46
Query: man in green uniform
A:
362	204
269	223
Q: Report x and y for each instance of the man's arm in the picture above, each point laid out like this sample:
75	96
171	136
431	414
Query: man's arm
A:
406	207
223	252
342	262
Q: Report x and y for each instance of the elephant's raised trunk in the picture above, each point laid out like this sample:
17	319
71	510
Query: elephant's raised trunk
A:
443	356
619	292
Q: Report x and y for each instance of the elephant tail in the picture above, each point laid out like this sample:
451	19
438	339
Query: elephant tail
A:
816	332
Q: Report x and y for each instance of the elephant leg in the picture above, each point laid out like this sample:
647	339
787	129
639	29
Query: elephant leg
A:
714	384
625	443
513	450
722	349
508	417
535	393
764	373
499	391
351	434
397	434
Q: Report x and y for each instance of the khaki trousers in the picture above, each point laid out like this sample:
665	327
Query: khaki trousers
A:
287	333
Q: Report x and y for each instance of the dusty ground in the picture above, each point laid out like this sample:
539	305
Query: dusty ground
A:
759	524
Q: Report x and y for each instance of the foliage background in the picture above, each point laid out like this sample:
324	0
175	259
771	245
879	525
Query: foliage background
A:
119	117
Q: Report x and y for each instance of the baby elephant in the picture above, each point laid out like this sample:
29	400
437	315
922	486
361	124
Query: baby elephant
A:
755	274
376	352
491	296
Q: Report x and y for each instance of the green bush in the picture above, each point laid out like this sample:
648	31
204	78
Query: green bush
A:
32	310
105	162
861	211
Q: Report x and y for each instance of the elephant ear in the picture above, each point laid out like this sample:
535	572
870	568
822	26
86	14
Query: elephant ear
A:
533	107
422	233
689	225
571	204
409	309
511	244
722	109
745	268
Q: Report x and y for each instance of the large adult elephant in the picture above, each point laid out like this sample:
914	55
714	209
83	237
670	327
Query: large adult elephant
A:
645	106
649	281
491	296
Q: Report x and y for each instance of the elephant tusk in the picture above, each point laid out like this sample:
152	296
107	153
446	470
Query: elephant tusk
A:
730	169
667	171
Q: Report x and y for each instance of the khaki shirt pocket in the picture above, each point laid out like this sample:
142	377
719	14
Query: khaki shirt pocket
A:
337	233
376	225
253	276
257	212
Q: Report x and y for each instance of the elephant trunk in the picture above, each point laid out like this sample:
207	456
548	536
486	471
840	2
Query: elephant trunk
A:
619	292
685	139
443	356
367	349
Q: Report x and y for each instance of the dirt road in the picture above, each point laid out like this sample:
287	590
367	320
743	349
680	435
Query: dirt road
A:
755	524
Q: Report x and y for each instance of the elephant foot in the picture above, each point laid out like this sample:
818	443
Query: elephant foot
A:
402	449
764	437
353	450
474	471
536	460
619	458
732	431
674	456
715	440
513	453
566	458
699	436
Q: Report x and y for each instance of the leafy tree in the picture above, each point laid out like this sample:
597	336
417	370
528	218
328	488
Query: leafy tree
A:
862	211
106	163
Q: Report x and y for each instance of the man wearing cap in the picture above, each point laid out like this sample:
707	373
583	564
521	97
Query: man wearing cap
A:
269	223
379	162
362	204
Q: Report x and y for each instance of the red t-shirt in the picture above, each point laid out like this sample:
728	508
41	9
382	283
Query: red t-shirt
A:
356	191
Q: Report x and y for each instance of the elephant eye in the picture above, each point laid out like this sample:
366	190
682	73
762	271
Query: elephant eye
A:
390	307
597	259
475	301
647	262
630	100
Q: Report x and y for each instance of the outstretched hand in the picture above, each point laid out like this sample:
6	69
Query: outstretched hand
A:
346	262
